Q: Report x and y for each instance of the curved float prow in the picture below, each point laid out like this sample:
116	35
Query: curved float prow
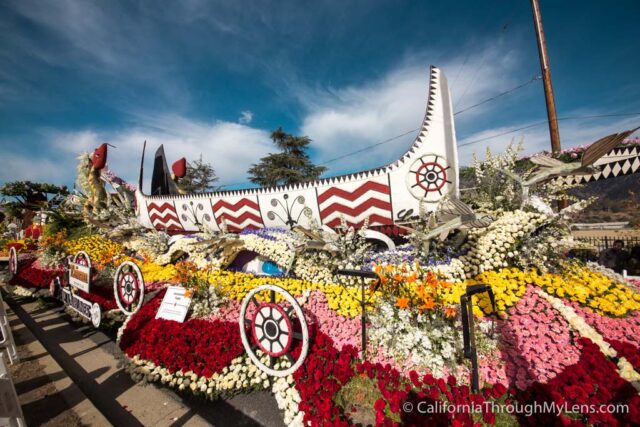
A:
384	196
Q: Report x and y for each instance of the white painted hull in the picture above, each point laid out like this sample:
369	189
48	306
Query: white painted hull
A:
426	172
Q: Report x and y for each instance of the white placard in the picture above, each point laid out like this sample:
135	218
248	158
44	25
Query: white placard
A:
175	304
79	276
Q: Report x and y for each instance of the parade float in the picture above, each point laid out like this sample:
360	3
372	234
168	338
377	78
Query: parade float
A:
385	297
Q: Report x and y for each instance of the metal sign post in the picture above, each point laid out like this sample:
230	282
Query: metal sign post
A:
363	301
468	329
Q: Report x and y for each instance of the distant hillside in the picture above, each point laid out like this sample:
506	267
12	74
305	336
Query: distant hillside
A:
618	200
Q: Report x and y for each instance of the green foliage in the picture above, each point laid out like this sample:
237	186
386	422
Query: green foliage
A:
292	165
30	196
200	178
59	220
31	193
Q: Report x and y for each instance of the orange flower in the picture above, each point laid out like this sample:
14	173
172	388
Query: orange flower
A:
423	293
188	293
402	302
445	285
450	312
412	277
429	304
432	280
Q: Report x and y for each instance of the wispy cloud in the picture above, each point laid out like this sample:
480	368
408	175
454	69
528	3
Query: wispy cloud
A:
351	118
230	147
536	138
245	117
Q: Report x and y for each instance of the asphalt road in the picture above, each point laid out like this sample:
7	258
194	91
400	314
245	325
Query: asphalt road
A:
90	359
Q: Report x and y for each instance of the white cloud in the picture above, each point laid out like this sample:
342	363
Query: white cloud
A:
536	139
352	118
245	117
20	167
230	147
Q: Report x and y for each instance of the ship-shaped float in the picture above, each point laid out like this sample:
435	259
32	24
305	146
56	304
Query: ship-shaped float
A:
382	197
427	172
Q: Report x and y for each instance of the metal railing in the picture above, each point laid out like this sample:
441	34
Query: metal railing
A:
605	242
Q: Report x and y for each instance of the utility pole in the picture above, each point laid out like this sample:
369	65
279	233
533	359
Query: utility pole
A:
546	79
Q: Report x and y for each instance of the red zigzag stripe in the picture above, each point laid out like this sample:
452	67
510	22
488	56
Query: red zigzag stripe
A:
164	219
240	219
237	206
337	207
353	195
373	219
163	207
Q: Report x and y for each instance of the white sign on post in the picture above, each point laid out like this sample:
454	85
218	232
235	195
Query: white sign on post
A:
79	276
175	304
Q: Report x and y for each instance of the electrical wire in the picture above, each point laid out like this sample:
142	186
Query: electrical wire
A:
368	147
540	123
533	79
544	122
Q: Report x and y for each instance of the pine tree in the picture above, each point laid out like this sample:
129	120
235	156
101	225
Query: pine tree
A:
200	177
290	166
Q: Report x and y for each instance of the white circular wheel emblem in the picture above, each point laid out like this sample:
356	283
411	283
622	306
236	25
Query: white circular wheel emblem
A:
96	315
274	327
13	261
128	287
428	177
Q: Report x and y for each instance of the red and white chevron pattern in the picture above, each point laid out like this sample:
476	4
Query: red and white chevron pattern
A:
370	200
245	213
163	216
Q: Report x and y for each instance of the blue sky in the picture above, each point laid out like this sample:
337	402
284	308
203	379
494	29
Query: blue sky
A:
214	78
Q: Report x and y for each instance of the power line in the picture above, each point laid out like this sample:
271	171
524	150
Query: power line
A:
533	79
482	62
501	134
367	148
528	82
393	138
597	116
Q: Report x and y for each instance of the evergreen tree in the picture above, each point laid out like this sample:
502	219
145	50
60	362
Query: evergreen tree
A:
200	177
290	166
31	196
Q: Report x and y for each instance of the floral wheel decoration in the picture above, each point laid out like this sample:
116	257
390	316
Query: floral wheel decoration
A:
428	177
13	261
128	287
82	258
274	327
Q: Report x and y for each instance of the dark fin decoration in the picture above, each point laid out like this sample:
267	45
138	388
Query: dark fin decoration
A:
161	182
